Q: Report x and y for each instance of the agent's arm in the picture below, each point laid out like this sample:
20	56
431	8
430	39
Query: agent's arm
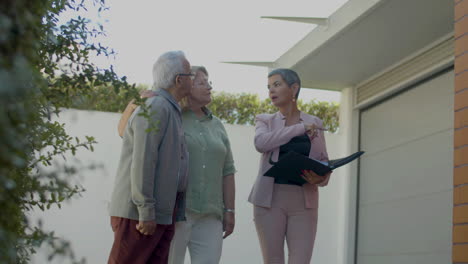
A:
267	140
311	177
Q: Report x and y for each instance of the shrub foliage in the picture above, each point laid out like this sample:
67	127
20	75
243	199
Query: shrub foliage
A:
44	64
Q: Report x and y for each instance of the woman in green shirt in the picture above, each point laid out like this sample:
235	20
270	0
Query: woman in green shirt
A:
211	189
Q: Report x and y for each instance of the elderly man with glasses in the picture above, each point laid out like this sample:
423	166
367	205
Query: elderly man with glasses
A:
149	190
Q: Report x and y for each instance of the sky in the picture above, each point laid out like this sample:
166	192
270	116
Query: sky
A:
210	32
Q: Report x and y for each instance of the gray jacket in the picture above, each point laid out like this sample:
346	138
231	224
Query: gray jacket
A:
153	165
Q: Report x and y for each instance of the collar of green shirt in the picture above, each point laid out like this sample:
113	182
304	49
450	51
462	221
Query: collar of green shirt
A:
208	114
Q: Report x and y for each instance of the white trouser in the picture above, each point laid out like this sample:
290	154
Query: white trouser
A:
202	234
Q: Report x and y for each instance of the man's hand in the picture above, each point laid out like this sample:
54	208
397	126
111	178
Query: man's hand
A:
229	222
146	228
313	178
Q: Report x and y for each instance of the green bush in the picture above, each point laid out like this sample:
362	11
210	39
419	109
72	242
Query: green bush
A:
231	108
242	108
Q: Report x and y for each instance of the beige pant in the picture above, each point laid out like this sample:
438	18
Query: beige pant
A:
202	235
289	220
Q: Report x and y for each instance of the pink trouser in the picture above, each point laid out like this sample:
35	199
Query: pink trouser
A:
286	219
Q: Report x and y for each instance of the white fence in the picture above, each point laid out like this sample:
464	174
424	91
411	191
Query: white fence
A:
85	222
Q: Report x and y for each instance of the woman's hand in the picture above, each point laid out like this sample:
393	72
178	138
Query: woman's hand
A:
312	177
311	130
229	222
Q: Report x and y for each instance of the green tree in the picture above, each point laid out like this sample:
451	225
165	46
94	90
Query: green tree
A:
44	65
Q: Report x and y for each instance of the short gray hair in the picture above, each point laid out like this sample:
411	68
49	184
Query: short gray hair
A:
196	69
166	68
289	76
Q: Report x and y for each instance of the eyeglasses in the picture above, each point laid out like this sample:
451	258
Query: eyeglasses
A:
191	75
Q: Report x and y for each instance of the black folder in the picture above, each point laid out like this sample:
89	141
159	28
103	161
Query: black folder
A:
291	164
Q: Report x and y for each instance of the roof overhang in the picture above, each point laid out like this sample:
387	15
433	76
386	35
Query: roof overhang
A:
363	38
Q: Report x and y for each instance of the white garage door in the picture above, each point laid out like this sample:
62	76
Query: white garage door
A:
405	177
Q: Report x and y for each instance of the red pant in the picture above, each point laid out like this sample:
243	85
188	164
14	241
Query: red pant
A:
130	246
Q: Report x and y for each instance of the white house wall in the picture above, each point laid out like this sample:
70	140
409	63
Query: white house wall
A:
85	222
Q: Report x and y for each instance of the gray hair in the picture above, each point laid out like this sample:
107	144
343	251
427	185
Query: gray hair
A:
289	76
196	69
166	68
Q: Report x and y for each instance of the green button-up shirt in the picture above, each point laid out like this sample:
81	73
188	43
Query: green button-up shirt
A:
210	160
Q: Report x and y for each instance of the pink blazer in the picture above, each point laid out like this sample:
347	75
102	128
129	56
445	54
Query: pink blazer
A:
270	134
